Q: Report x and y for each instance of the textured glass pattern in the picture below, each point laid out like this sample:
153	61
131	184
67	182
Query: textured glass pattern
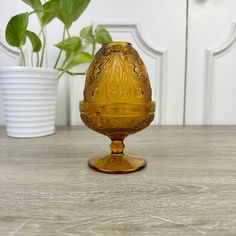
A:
117	103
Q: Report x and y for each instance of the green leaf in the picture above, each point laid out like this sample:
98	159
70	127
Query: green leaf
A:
87	34
81	57
35	4
102	35
16	30
69	11
49	14
71	44
35	41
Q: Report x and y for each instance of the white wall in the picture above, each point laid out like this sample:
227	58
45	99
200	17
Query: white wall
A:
157	29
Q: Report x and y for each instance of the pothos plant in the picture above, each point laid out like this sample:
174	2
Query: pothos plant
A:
77	49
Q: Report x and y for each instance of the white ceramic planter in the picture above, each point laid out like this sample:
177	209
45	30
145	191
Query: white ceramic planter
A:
29	100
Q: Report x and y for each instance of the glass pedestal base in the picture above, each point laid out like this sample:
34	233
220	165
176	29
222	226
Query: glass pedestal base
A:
117	164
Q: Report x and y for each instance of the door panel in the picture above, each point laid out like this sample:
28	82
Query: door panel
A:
211	73
157	31
154	58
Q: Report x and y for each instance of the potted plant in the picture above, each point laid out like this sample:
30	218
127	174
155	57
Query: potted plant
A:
29	90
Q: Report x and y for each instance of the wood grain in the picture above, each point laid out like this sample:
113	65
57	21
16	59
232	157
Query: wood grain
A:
188	187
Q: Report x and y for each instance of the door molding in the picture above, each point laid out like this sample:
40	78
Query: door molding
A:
211	55
156	52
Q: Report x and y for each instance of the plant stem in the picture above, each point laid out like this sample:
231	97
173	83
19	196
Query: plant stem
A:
94	48
76	73
36	11
58	58
32	12
37	64
64	62
59	55
67	31
70	73
32	59
22	57
60	75
44	45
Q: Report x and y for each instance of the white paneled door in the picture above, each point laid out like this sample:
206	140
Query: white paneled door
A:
211	62
156	28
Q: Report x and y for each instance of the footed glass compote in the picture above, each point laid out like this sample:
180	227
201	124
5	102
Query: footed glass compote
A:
117	103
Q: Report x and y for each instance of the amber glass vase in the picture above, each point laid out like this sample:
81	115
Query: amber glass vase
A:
117	103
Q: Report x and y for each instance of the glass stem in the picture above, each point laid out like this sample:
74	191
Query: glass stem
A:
117	147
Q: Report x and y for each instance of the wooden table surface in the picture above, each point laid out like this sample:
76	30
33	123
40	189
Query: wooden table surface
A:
188	187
